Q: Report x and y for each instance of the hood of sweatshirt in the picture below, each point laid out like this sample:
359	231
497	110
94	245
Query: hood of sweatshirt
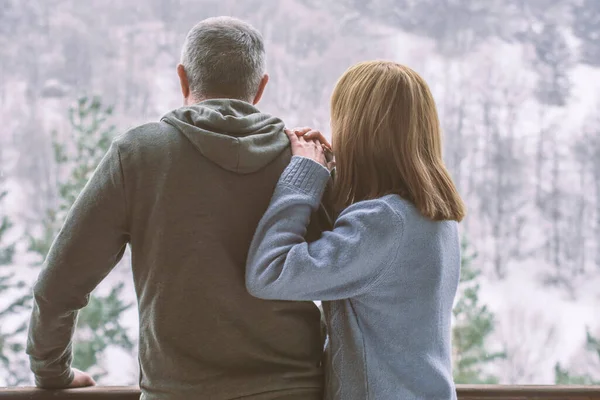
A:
231	133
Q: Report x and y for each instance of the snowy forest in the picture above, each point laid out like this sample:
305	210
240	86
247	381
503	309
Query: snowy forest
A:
517	84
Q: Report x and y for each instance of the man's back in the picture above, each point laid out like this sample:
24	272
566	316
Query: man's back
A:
194	187
195	196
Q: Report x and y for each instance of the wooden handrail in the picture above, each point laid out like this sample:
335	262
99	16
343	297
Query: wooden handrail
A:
465	392
94	393
527	392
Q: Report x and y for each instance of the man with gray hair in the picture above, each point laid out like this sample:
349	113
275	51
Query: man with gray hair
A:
186	194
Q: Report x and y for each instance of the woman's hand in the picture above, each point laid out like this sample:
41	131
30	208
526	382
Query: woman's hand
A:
312	134
312	149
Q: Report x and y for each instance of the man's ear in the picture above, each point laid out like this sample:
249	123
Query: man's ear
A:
185	84
261	88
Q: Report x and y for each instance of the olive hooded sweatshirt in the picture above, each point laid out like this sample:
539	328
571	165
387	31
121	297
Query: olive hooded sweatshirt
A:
186	194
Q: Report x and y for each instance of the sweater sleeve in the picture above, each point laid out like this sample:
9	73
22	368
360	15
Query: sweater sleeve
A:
342	263
90	243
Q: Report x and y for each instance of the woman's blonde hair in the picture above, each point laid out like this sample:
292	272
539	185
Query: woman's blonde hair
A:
387	139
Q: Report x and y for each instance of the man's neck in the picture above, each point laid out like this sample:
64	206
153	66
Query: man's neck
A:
190	101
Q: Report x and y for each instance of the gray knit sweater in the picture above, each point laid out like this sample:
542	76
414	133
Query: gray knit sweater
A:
388	277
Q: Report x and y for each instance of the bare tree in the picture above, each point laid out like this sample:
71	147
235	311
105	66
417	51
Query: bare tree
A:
502	184
586	149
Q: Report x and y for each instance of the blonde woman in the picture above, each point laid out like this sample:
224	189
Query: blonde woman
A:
388	272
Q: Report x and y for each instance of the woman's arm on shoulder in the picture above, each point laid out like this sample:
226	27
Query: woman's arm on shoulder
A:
343	263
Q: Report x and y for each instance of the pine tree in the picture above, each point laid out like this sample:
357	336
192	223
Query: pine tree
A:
472	326
101	318
7	251
11	338
77	157
563	376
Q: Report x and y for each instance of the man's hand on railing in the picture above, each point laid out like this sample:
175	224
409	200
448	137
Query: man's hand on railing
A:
81	380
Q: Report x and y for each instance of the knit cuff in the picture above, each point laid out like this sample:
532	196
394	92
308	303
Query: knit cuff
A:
306	175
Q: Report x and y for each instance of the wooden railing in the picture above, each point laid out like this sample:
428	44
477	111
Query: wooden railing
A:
465	392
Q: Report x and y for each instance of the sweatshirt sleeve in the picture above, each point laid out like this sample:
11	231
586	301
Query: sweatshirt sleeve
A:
90	243
342	263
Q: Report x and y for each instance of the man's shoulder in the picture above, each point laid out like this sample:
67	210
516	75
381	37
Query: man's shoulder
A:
147	132
147	136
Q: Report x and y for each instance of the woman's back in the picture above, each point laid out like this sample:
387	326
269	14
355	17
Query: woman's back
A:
412	297
388	271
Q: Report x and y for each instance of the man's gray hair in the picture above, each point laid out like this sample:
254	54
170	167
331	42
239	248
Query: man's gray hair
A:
224	57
